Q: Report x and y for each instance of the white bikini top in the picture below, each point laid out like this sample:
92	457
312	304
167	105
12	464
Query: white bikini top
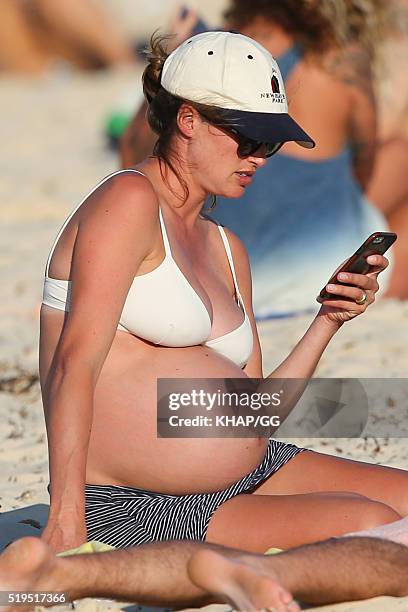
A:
161	306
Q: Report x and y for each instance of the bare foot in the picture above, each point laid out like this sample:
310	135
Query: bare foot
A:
27	565
244	581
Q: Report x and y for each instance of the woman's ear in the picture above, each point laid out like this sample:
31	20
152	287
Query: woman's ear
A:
187	118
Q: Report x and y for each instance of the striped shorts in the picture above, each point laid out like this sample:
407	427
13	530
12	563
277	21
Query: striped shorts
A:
124	516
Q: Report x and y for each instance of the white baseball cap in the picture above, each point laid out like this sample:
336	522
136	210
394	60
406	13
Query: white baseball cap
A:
235	73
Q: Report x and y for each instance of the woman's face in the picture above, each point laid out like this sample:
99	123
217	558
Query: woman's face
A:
216	164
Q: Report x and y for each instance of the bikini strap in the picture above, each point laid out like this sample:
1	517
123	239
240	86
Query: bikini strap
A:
230	261
166	242
78	206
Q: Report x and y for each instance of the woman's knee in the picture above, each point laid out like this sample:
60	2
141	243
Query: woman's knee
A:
376	513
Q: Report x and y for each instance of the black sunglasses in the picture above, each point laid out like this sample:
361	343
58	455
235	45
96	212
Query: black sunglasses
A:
248	146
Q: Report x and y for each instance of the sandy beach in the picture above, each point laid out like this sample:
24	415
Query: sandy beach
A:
54	151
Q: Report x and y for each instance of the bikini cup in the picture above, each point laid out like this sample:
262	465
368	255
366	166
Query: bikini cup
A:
161	306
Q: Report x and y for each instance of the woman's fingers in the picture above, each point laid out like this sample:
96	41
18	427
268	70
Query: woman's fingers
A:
352	294
357	285
347	305
349	302
357	280
379	262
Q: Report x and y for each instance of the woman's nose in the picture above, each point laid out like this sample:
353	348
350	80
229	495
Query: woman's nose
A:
259	156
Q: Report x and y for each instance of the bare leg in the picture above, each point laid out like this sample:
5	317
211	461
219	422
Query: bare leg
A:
388	187
311	472
329	574
394	532
388	190
153	574
254	523
18	50
344	569
181	573
398	222
83	23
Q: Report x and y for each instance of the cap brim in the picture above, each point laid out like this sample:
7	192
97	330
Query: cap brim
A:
268	127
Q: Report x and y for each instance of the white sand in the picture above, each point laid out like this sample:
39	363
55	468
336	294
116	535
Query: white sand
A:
53	152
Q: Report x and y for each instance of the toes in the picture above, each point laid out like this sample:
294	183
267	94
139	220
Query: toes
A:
272	596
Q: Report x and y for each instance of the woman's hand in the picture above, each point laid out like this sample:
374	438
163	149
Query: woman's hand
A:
345	307
64	533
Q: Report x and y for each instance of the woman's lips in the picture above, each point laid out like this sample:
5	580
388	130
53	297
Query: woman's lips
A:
244	178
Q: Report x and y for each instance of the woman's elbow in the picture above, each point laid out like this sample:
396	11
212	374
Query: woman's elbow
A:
70	367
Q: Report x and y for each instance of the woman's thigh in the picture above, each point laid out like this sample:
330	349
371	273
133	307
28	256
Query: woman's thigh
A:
258	522
312	472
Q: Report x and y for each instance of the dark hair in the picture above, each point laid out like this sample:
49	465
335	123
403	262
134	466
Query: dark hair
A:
300	18
164	106
321	25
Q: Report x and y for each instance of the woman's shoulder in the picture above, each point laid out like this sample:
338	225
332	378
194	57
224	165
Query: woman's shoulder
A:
122	212
126	193
129	183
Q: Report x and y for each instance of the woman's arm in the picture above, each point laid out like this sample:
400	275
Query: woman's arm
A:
303	359
301	363
118	228
138	140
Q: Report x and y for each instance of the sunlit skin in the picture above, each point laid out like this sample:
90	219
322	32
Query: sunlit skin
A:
99	384
125	395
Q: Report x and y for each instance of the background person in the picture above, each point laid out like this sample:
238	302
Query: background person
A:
34	33
388	187
308	209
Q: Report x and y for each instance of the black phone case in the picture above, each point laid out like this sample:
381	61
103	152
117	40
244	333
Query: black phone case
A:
357	263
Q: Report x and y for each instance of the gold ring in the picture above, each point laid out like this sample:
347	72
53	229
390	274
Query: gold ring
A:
362	300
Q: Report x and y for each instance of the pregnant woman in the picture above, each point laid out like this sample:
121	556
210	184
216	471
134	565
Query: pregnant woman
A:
140	286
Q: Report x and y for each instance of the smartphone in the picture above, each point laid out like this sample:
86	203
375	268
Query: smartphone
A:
376	244
200	27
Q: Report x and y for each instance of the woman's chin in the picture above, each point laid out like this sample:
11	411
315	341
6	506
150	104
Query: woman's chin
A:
233	192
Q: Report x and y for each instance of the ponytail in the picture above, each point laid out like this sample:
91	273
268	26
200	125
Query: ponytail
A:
156	55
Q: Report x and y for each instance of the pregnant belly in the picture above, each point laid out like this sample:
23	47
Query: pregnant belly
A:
124	447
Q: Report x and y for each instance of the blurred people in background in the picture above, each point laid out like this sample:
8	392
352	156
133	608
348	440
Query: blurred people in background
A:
34	33
326	51
311	212
388	188
138	140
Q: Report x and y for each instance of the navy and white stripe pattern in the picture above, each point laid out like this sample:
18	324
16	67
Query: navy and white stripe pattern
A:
124	516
